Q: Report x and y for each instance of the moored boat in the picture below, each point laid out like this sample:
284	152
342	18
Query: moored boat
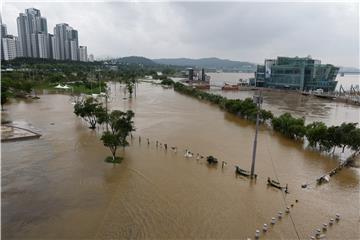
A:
325	96
242	172
274	183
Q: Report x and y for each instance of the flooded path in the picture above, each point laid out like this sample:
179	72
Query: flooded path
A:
59	186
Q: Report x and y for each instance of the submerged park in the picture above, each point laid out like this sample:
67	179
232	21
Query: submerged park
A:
160	193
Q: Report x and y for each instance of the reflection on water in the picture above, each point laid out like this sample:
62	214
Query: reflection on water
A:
60	187
312	108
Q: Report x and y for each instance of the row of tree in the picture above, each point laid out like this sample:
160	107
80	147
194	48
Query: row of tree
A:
319	136
119	125
244	108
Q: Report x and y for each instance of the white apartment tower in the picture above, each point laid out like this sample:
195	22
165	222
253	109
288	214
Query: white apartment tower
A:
83	54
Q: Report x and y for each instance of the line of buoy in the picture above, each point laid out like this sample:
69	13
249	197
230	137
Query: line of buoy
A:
321	234
273	221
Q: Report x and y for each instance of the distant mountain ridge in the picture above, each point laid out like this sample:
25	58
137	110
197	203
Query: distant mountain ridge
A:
209	63
213	63
138	60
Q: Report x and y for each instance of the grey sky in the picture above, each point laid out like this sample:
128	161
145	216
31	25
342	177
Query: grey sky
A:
236	30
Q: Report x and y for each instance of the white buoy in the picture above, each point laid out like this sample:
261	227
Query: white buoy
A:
265	227
325	226
287	210
279	214
273	220
337	217
257	233
331	221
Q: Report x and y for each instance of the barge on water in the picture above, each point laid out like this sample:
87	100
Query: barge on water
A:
230	87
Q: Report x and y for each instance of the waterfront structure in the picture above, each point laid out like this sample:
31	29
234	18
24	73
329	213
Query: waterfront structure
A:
83	54
296	73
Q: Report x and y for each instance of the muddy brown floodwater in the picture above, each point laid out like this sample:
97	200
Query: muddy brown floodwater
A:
59	186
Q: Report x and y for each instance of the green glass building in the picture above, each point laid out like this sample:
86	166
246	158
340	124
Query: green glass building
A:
296	73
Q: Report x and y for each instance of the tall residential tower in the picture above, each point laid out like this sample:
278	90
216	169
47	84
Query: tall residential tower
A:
32	28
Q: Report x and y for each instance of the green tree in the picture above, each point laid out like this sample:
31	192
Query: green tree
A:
4	93
344	134
129	87
121	125
167	81
289	126
90	110
354	137
316	133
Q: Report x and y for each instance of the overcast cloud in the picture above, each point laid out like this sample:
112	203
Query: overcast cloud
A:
237	30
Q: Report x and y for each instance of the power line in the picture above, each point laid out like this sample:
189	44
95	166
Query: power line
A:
282	193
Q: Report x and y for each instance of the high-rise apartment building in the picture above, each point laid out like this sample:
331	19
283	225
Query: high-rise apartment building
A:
67	41
36	42
30	24
83	54
43	45
74	51
3	30
10	47
3	34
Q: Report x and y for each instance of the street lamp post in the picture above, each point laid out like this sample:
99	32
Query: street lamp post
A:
258	100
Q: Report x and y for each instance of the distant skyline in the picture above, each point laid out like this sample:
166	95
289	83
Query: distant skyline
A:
236	30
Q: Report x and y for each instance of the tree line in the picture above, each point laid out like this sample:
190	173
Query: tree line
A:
26	74
318	135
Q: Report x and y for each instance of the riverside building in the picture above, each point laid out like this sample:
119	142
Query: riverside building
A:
296	73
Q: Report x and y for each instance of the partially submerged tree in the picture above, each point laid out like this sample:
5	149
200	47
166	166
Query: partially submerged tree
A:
121	125
316	134
90	110
289	126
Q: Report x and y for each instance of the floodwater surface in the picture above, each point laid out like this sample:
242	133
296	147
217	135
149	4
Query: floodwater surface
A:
309	107
60	187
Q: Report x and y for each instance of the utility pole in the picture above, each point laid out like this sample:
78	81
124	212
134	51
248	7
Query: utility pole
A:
106	108
258	100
